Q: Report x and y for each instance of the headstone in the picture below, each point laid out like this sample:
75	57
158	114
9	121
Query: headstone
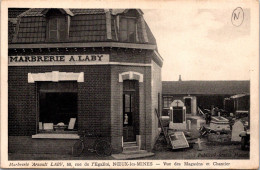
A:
177	115
178	140
237	128
219	123
40	125
198	124
199	145
72	123
48	126
188	124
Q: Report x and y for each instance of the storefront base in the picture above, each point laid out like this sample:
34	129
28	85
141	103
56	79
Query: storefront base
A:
27	145
31	145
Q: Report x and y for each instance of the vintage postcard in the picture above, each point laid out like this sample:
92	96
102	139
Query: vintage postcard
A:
130	84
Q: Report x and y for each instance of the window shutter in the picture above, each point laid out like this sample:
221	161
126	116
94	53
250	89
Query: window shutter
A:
53	26
131	30
62	29
123	29
57	29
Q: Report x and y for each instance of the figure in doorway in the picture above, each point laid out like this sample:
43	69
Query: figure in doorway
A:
126	120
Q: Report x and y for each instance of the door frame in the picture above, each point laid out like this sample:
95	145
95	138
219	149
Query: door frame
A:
143	117
134	111
190	104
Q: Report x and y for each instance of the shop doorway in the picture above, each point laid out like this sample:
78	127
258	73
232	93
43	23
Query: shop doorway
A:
130	110
188	105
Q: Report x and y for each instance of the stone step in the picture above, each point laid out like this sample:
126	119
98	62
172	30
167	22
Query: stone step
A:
135	152
131	148
126	144
122	156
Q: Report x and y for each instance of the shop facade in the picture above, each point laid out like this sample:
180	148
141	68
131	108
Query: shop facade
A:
84	69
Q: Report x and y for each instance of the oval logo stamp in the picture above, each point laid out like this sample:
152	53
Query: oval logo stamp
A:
237	17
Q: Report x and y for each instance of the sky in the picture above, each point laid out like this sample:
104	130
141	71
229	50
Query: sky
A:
201	43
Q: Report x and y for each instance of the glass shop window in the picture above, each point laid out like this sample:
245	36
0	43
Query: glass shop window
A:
167	101
128	29
57	29
58	111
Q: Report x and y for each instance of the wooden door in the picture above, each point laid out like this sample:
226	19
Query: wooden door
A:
188	105
130	110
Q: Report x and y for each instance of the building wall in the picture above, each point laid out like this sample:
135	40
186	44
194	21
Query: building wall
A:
117	105
202	101
99	98
130	56
93	101
156	100
243	103
21	102
27	145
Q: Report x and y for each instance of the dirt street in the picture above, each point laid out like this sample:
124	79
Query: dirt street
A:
228	150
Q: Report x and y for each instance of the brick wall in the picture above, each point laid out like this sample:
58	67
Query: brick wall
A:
21	103
156	102
93	98
99	97
130	56
25	144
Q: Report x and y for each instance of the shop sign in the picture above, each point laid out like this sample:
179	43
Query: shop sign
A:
58	59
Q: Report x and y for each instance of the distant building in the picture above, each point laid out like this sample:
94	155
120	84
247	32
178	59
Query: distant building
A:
100	67
237	103
203	94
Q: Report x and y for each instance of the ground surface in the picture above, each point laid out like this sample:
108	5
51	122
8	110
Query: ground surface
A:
210	150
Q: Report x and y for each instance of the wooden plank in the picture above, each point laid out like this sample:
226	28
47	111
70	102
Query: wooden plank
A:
164	132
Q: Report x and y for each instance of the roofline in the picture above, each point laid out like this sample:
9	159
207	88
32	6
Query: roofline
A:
158	55
240	95
79	45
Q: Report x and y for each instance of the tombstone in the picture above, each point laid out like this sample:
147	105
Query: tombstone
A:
177	115
237	128
188	124
219	123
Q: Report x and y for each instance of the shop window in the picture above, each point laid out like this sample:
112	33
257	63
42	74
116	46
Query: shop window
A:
127	29
57	29
167	101
57	107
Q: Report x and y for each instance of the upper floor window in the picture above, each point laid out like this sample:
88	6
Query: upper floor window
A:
127	29
57	28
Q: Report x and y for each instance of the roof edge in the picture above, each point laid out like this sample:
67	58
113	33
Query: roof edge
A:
82	45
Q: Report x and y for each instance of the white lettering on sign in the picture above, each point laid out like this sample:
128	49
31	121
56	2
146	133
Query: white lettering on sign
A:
57	59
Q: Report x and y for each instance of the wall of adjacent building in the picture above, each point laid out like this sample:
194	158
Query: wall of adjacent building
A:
156	100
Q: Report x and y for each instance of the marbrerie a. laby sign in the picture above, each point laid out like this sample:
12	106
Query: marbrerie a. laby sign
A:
33	60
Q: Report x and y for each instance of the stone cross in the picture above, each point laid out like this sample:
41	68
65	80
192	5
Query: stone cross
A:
177	102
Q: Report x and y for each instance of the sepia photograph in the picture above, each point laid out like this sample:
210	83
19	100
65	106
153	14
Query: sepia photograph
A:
158	87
